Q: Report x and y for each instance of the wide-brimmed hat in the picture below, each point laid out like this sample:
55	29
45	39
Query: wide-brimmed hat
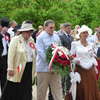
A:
26	27
85	28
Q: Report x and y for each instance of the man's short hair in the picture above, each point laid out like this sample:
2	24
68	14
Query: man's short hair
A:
47	22
66	24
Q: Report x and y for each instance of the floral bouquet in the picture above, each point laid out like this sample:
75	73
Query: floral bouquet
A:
58	59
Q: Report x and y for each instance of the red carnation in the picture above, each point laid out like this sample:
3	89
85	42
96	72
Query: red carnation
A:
32	45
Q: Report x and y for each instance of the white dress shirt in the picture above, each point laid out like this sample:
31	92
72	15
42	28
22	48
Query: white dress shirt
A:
5	43
11	32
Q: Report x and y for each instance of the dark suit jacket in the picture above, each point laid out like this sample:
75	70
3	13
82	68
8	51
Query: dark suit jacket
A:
1	45
66	41
98	52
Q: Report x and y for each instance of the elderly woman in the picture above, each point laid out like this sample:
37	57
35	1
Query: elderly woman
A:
21	61
86	66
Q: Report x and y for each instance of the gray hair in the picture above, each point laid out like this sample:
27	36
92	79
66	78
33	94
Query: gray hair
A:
47	22
12	22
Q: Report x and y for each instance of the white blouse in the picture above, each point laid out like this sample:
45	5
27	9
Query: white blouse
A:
85	55
29	52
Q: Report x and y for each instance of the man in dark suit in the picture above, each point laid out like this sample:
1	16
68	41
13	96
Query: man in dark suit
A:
66	39
4	40
65	36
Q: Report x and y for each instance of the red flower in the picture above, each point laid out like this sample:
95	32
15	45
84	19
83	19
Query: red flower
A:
32	45
62	59
58	57
74	55
7	38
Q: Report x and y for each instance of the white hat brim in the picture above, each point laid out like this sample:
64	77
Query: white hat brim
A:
81	30
29	29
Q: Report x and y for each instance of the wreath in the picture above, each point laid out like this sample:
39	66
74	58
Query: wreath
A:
58	59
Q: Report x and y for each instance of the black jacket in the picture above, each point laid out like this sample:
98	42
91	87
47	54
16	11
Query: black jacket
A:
1	45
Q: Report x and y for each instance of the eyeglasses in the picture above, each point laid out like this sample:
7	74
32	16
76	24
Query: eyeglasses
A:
51	27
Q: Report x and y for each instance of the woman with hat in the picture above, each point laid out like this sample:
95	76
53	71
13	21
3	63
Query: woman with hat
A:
86	66
21	64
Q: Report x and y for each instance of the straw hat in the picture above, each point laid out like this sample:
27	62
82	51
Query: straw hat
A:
26	27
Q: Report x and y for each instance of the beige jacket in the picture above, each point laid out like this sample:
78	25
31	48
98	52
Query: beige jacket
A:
17	57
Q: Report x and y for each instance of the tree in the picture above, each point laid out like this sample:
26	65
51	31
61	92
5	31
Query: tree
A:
74	11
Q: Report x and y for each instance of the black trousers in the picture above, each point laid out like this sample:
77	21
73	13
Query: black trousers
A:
22	90
3	71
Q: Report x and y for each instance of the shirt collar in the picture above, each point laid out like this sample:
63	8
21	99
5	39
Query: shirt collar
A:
66	33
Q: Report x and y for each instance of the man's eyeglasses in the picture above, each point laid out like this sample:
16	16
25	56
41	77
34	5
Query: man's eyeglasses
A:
51	27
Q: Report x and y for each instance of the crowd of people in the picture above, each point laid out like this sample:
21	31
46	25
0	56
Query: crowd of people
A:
23	57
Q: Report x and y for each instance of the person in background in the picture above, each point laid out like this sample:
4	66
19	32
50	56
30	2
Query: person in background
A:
21	65
4	44
97	50
34	35
61	31
66	37
75	32
16	30
13	24
40	29
93	37
95	40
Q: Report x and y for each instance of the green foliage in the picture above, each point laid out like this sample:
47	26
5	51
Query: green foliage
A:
74	11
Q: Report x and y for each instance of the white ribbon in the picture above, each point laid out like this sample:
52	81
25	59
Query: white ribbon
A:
63	49
20	68
75	77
